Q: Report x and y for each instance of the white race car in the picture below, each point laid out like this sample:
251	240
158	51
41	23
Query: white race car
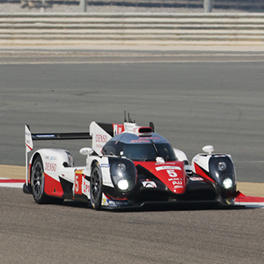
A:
127	166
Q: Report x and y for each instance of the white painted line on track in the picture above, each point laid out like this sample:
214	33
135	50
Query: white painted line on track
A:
12	185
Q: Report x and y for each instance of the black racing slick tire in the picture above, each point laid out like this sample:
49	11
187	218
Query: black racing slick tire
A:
38	181
96	188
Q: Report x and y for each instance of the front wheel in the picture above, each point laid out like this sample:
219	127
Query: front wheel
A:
96	188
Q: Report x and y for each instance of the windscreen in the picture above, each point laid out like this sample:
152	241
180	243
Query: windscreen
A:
148	152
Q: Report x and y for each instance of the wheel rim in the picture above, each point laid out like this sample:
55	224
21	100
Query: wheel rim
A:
37	179
95	185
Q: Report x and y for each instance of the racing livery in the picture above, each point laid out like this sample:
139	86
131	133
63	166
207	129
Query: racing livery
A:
127	166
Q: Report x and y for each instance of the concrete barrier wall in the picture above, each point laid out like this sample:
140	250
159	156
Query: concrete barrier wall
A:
248	5
131	29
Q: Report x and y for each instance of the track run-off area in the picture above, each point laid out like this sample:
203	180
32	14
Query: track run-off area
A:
193	100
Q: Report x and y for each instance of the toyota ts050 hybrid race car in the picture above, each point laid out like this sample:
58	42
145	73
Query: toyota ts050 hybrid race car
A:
127	166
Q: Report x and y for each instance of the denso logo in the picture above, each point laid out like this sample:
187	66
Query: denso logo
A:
50	166
101	138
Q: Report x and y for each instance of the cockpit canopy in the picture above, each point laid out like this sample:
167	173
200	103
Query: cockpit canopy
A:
139	148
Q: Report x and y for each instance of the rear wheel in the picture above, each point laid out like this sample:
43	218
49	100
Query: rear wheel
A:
96	188
38	181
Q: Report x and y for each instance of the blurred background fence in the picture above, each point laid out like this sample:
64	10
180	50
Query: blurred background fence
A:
131	29
9	6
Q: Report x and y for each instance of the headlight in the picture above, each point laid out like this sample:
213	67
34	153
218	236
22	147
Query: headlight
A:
123	174
222	166
227	183
123	185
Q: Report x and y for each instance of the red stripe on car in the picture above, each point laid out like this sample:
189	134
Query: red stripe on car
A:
202	173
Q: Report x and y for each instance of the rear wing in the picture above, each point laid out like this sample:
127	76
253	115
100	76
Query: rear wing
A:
108	128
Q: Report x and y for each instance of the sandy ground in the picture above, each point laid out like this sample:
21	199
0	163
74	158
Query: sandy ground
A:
12	172
18	172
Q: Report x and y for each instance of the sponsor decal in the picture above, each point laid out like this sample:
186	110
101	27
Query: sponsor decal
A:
168	173
45	136
144	140
171	179
152	138
50	158
120	203
104	200
78	182
113	202
196	178
168	168
118	129
49	166
86	187
141	140
149	184
172	173
110	202
104	165
101	138
178	182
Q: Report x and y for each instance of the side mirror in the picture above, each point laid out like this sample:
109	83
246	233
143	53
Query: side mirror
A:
86	151
208	149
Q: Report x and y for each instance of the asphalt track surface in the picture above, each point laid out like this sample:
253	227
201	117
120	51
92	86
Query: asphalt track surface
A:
202	101
194	99
74	233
